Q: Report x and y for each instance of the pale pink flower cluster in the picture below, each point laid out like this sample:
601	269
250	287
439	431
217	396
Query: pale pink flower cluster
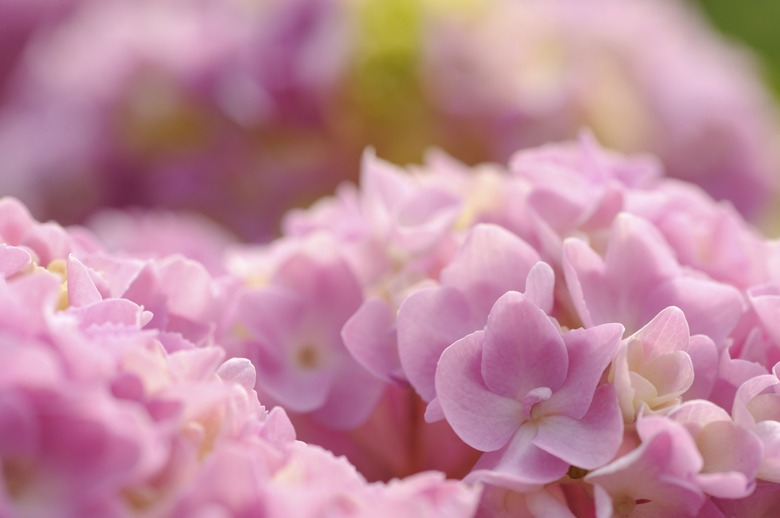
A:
574	333
240	109
115	400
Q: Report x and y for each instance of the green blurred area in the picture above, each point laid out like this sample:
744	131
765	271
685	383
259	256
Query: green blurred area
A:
756	23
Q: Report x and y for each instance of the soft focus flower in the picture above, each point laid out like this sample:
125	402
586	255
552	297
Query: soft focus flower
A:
292	332
240	109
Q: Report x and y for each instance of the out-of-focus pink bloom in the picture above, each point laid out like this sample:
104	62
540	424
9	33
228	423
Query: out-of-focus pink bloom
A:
292	329
197	105
240	110
577	69
156	234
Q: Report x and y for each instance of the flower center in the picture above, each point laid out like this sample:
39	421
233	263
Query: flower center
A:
307	357
533	397
624	505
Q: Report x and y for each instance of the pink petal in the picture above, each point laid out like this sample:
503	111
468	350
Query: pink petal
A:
523	349
726	484
429	321
491	262
637	256
604	211
117	312
297	390
272	315
383	185
13	260
641	474
711	308
704	357
484	420
665	333
352	395
745	393
590	353
589	442
583	270
326	284
742	458
540	286
769	434
520	465
187	286
369	335
82	290
239	371
424	219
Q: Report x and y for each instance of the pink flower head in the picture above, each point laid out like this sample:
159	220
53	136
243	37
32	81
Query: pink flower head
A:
530	395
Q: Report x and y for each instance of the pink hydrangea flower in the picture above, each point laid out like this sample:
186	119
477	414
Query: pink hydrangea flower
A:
491	262
292	329
658	364
529	394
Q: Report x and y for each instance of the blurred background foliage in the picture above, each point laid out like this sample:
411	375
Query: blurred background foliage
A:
754	22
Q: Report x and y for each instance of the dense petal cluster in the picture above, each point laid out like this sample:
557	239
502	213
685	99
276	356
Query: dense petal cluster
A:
116	401
558	332
240	109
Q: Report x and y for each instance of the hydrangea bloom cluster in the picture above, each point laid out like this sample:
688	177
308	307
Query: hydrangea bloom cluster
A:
116	401
575	334
239	109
